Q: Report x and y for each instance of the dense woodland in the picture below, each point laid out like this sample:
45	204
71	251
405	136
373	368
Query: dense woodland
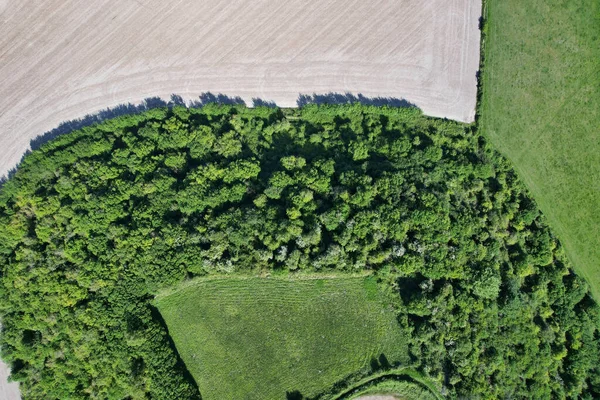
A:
96	221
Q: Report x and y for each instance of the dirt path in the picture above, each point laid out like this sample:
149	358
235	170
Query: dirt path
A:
62	59
378	397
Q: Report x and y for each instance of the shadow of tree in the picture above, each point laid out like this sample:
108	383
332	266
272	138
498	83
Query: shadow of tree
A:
180	367
204	99
256	102
128	109
384	362
349	98
219	98
11	172
117	111
294	395
380	363
108	113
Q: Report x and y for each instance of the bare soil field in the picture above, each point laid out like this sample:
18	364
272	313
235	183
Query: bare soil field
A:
63	59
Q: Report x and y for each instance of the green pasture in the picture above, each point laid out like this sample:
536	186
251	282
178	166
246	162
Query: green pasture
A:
541	108
265	338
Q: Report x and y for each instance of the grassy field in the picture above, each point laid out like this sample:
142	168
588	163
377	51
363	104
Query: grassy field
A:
541	108
260	338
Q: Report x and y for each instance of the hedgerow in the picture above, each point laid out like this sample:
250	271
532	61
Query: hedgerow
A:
97	221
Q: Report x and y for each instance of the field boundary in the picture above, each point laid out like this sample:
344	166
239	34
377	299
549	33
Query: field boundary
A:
483	24
541	152
243	275
125	110
406	373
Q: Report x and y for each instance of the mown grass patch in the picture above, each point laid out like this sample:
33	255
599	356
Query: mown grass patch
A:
263	338
541	108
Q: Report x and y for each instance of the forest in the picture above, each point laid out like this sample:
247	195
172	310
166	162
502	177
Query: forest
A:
96	222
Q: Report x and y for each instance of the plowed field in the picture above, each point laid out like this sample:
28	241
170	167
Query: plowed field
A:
63	59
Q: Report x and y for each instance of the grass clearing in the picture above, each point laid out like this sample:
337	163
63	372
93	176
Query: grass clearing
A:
260	338
541	108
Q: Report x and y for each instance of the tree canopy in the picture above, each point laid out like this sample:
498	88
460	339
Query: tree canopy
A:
97	221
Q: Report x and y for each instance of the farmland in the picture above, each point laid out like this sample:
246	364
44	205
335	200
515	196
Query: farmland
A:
260	338
541	108
63	59
224	252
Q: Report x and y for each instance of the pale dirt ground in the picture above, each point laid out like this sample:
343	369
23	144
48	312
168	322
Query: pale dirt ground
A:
8	391
378	397
63	59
